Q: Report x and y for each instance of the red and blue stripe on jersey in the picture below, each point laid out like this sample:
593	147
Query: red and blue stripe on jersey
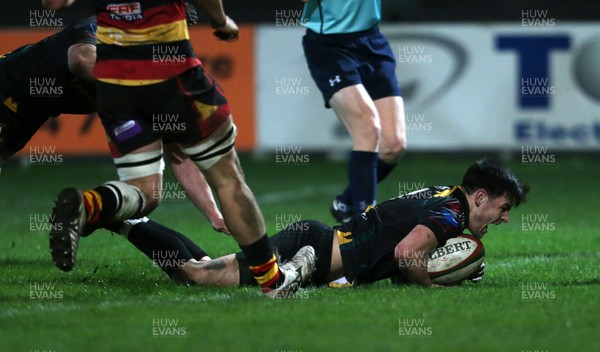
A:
142	42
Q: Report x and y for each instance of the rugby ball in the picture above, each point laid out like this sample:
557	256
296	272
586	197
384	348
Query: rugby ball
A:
456	261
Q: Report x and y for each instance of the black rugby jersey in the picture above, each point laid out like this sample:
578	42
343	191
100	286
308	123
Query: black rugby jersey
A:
368	241
35	78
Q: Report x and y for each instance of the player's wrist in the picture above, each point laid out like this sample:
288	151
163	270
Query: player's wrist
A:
218	24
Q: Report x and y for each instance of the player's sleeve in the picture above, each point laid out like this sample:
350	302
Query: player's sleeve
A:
443	220
85	31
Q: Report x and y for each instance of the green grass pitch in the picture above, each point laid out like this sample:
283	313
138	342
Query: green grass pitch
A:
540	290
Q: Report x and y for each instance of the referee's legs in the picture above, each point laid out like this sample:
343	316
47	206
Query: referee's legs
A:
358	112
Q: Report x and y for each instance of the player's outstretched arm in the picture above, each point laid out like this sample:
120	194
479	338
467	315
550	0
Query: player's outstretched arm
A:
225	27
197	189
56	4
411	254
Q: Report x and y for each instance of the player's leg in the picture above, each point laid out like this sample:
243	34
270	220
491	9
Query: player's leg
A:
382	85
393	134
136	194
338	76
178	256
197	252
78	213
245	223
240	209
222	271
287	244
383	88
211	147
391	147
357	111
167	248
137	154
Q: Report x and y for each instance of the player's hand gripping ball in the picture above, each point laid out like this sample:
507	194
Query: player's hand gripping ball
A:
462	258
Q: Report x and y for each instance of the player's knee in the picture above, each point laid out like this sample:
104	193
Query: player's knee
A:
131	200
152	196
393	150
366	129
212	149
151	203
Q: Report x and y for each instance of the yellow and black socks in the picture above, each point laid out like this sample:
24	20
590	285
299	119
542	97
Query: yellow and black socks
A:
263	264
92	200
114	201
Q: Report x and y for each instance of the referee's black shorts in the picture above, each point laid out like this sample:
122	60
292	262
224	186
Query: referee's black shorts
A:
288	241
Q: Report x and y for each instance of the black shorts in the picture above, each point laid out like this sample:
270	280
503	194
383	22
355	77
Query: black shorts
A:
338	61
185	109
288	241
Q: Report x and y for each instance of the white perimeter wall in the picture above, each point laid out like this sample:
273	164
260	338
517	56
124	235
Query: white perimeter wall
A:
461	90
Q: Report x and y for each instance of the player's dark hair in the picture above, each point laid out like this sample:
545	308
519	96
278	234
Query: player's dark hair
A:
496	179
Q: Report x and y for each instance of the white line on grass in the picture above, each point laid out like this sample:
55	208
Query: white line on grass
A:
299	193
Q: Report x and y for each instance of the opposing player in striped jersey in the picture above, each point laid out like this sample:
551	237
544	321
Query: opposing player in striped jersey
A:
135	86
68	58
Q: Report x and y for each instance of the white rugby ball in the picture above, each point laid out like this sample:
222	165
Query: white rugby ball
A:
456	261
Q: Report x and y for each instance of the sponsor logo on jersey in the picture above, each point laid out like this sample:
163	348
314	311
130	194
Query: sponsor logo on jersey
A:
131	11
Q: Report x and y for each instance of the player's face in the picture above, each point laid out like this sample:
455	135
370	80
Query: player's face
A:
488	211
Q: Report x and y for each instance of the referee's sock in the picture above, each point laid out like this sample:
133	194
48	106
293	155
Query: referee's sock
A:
362	174
263	264
383	170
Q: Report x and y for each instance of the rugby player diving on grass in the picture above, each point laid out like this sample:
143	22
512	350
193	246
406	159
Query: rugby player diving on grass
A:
373	245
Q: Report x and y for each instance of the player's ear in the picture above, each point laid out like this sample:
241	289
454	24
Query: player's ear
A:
480	195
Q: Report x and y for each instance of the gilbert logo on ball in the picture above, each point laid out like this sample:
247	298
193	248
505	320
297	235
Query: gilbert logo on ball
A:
456	261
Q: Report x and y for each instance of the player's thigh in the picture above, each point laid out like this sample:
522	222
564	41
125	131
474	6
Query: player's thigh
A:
196	110
353	102
149	182
205	130
393	127
357	112
128	126
135	148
